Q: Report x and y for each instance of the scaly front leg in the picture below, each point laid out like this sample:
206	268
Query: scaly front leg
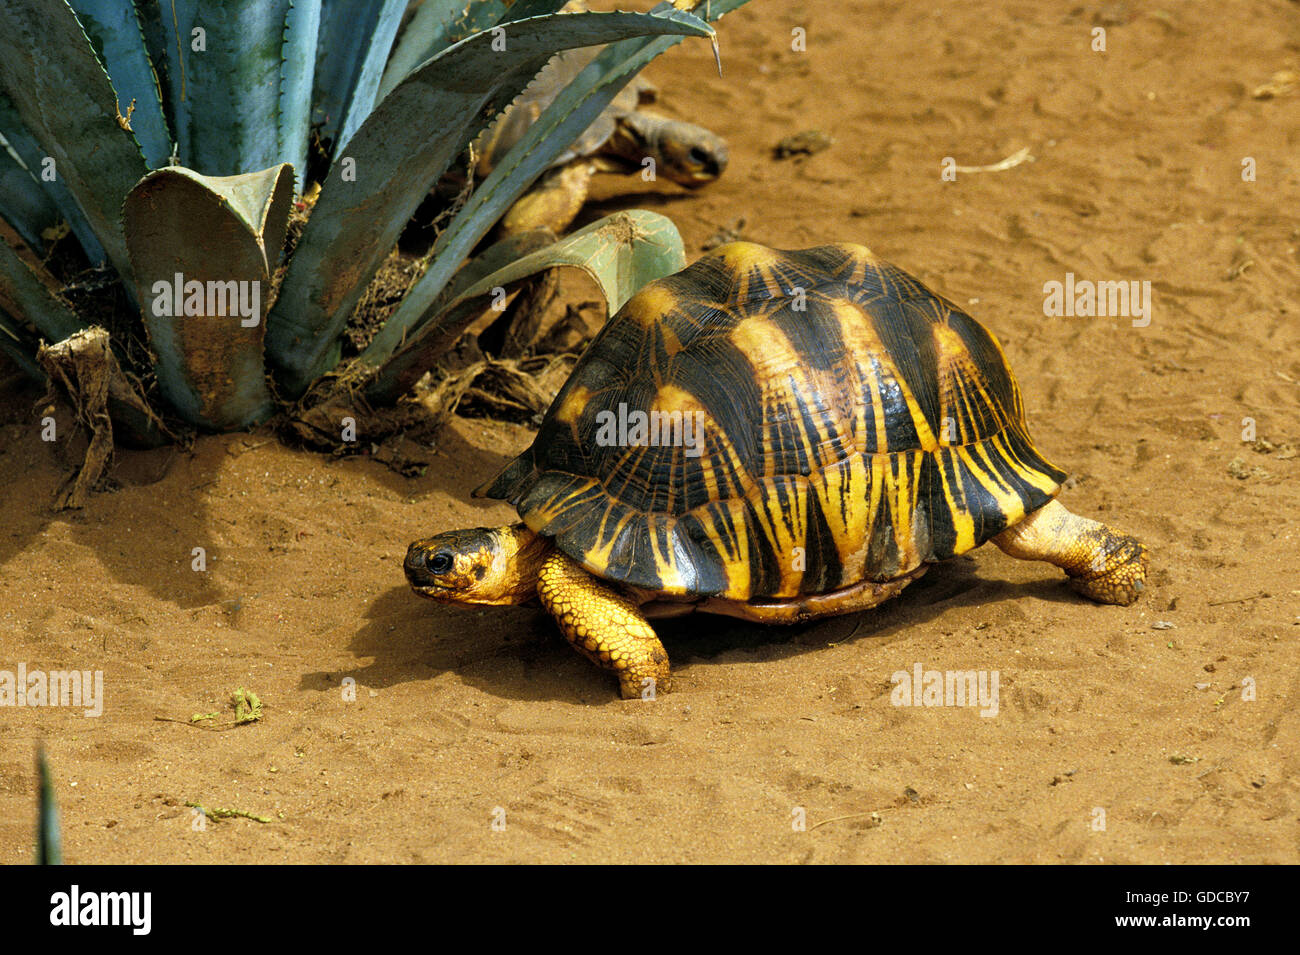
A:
604	626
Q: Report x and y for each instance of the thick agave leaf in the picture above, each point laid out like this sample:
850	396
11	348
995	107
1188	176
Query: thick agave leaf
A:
493	259
237	104
437	24
22	145
23	203
297	79
555	130
355	40
23	295
621	253
394	159
64	99
114	32
205	247
49	840
150	15
19	346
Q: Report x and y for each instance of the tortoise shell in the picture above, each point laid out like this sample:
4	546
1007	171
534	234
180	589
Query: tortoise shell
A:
849	424
493	144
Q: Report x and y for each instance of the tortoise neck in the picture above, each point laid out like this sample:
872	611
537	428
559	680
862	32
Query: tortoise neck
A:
524	552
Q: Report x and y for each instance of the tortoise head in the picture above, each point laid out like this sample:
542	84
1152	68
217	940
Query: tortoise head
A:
478	565
687	154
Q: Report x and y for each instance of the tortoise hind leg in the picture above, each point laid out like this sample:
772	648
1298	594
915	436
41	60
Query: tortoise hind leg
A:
604	626
1104	566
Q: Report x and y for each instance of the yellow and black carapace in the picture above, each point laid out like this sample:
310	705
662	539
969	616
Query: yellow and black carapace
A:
776	436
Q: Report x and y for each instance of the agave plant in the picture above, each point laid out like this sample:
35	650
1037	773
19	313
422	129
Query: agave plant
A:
159	150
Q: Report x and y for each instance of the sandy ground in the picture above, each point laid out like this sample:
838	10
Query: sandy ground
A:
1167	731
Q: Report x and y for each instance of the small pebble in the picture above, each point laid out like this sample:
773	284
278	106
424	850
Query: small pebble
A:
802	144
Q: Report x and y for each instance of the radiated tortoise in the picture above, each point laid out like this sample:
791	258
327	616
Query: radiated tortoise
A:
776	436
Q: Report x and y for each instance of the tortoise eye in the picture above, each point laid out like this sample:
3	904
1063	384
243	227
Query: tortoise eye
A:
440	562
698	156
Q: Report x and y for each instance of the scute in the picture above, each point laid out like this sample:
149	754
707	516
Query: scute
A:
852	424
